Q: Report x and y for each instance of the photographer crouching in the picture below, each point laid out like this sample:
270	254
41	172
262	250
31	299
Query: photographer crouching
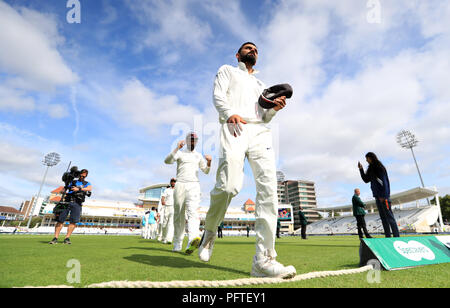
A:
74	198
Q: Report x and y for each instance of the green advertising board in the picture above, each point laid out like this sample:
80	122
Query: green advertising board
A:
403	252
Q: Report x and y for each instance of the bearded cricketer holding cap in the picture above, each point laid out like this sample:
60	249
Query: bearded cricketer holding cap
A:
243	116
186	196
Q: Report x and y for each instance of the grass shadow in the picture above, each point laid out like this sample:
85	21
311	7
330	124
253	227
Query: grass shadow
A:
178	262
350	266
169	249
320	245
234	242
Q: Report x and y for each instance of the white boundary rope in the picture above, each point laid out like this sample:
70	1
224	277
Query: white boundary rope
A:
217	283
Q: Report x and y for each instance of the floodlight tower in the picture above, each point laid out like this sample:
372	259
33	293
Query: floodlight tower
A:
50	160
407	140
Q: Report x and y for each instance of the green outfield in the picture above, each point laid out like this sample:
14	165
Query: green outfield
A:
28	260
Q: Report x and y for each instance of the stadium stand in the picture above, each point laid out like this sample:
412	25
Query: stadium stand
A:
410	220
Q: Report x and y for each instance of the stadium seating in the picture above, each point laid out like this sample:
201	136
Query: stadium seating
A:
408	220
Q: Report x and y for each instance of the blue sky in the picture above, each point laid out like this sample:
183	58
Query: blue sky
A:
115	92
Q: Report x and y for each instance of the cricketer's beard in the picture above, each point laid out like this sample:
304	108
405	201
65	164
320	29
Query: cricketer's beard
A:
191	144
248	59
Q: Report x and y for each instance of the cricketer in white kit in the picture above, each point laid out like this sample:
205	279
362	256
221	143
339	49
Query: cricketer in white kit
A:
144	225
147	227
245	134
159	217
187	191
151	222
167	216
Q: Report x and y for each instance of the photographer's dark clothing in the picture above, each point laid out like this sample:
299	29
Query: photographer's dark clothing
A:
78	183
75	199
77	196
74	209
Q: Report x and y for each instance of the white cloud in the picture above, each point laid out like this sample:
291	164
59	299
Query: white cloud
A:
171	25
29	51
231	15
109	13
432	15
13	157
329	125
290	50
57	111
31	64
138	105
15	100
355	85
22	152
21	156
21	172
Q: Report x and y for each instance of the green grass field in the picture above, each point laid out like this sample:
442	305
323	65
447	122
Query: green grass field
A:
28	260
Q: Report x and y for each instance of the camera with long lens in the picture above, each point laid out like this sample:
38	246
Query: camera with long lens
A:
70	178
71	175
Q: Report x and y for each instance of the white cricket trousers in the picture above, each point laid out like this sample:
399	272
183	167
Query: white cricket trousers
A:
186	201
147	231
255	143
167	223
160	225
152	231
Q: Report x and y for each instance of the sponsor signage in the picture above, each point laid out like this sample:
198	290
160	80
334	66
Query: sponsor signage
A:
403	252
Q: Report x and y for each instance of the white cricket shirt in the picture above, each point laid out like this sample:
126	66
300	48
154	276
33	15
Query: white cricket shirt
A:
237	92
168	196
188	163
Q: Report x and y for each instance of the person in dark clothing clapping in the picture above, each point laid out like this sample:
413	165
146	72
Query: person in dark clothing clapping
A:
377	175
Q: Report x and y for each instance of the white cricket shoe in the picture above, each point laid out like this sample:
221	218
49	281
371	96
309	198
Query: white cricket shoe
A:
177	247
266	266
206	246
